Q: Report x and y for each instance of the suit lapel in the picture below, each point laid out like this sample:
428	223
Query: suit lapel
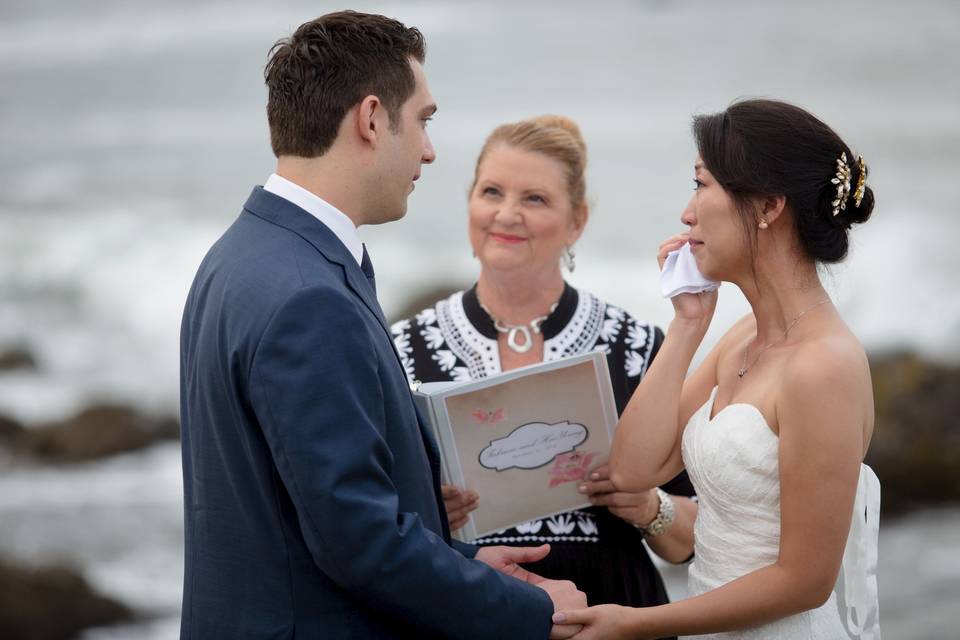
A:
284	213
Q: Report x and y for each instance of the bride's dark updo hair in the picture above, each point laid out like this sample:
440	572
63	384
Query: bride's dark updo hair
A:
769	148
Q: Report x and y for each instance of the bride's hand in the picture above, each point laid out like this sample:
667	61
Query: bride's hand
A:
601	622
687	306
636	508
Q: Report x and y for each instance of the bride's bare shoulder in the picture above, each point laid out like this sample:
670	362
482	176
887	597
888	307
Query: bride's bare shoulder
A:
831	365
831	353
827	359
826	382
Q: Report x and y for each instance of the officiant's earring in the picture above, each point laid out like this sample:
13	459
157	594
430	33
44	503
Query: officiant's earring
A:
763	224
569	259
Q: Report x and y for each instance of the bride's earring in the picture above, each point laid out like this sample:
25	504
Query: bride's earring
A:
763	224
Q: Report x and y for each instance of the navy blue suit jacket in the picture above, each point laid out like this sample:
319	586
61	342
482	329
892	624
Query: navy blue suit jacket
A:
312	505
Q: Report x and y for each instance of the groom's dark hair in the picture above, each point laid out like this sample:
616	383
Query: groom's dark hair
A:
329	65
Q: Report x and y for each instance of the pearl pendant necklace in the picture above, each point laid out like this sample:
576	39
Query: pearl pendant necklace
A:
513	331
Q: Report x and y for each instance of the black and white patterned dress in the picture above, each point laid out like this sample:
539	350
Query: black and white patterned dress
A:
455	340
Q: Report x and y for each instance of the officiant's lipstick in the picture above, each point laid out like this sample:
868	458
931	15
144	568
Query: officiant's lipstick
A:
507	238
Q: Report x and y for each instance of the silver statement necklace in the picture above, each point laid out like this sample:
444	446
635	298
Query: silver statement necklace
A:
744	366
514	331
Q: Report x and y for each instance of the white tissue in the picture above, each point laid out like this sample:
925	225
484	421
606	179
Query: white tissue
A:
680	274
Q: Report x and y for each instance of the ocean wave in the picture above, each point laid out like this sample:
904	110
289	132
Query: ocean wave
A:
155	29
100	306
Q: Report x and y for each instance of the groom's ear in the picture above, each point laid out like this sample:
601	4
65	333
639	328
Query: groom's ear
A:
369	119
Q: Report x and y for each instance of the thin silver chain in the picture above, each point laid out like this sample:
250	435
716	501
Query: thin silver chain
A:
744	367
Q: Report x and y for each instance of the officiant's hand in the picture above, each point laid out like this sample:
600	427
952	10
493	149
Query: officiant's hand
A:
688	306
459	503
636	508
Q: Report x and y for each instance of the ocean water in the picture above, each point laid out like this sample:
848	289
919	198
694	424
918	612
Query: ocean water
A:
131	133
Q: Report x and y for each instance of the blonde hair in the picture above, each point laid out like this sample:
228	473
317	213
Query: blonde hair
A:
556	137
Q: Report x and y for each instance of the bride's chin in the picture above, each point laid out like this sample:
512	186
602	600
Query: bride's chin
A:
706	270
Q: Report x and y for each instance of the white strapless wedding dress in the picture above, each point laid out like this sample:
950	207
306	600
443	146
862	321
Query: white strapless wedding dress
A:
733	463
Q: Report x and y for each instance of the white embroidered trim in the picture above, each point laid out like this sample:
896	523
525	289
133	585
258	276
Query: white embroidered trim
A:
639	347
401	339
478	352
501	539
581	333
561	526
594	326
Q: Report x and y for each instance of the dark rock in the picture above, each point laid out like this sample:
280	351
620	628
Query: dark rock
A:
916	447
52	603
94	433
10	430
16	359
166	428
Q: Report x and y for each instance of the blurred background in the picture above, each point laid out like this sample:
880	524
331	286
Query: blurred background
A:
131	133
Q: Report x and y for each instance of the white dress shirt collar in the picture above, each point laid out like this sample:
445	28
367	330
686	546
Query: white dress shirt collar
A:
336	220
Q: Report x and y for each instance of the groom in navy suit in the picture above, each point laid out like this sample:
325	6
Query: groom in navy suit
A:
312	502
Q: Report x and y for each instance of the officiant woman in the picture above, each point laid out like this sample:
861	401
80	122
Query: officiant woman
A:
527	208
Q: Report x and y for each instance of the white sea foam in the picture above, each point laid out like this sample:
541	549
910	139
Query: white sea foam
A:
120	520
100	306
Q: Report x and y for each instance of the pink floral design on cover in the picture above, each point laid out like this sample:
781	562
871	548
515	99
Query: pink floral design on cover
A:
482	416
570	467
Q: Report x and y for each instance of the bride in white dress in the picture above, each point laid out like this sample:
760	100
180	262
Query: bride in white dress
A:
773	426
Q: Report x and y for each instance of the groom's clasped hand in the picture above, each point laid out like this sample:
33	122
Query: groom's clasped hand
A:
564	593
